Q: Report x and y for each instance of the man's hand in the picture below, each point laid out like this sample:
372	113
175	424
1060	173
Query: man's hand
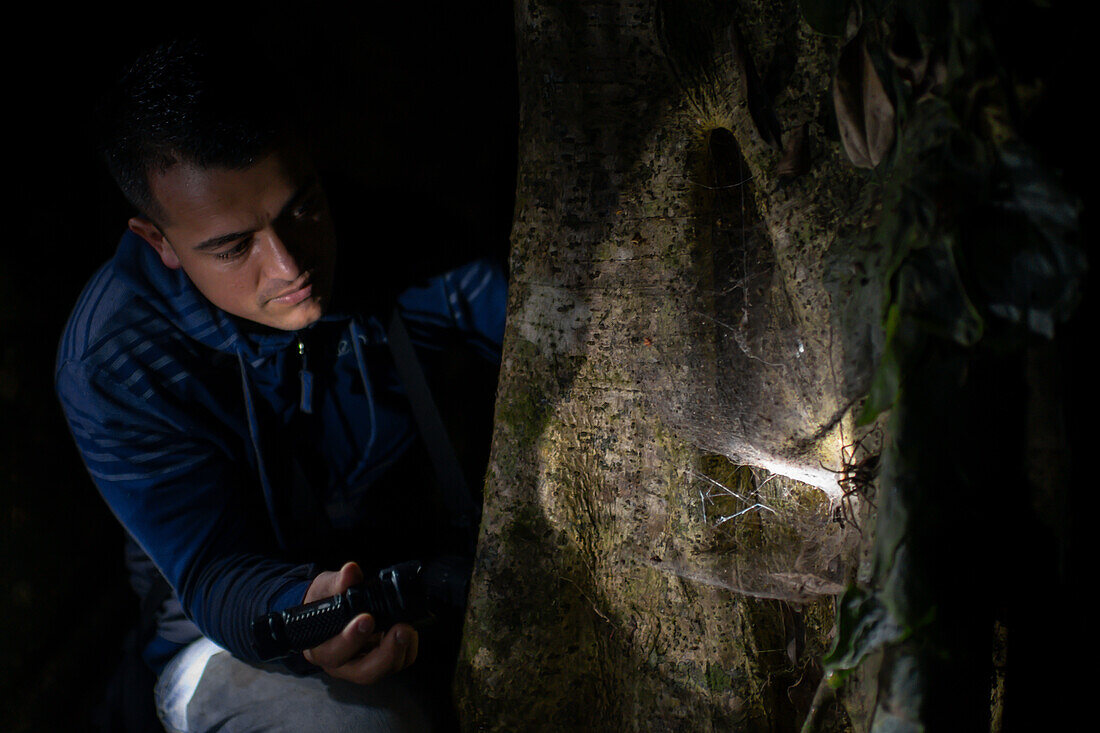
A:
359	654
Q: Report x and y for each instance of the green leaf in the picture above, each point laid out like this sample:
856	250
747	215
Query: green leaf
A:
931	291
899	704
863	625
1029	265
886	382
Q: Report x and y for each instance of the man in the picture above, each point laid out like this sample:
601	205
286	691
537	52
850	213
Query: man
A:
239	409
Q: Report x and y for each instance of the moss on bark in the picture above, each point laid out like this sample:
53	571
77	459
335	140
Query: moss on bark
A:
671	327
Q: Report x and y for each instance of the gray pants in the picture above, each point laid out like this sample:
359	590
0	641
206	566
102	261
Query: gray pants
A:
205	688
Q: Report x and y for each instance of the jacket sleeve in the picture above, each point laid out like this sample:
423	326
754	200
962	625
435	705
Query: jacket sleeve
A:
469	301
176	490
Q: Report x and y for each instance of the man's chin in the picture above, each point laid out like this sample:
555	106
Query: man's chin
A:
297	318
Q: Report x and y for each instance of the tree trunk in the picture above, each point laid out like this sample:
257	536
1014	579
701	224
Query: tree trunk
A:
688	333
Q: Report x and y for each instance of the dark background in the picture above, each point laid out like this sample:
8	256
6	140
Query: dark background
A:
419	105
416	104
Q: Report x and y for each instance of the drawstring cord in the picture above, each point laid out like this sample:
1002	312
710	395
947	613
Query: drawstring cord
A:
359	360
254	434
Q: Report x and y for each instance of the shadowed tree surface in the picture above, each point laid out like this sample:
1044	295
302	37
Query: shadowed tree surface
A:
733	223
672	342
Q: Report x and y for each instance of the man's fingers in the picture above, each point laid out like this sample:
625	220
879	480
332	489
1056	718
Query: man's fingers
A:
397	650
348	576
413	649
356	637
331	583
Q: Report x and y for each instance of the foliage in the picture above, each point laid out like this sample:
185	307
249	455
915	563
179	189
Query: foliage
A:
983	254
864	624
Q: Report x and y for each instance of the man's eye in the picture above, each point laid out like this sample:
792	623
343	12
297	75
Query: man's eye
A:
235	251
306	208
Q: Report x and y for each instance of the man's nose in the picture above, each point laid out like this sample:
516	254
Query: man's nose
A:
280	261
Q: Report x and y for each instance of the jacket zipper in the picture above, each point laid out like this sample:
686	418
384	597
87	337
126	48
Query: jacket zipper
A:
305	404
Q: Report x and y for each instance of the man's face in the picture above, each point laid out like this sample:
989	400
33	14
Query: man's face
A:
258	242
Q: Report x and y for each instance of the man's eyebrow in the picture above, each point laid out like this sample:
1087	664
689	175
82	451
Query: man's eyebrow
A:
222	240
305	190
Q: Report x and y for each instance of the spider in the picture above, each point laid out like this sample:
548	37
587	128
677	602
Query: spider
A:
856	477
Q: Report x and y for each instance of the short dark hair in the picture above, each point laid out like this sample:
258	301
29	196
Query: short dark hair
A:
193	100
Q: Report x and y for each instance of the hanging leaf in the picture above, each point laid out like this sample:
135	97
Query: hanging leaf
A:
854	21
759	102
865	114
907	53
1025	252
934	77
878	112
848	103
931	291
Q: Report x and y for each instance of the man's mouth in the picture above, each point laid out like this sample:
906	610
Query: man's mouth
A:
295	294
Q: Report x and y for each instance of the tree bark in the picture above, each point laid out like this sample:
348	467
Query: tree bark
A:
688	333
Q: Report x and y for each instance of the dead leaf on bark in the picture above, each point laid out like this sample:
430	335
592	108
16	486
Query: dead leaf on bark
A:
934	77
855	21
864	112
796	154
921	69
907	53
758	100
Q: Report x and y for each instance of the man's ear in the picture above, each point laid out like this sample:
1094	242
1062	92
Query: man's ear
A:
151	233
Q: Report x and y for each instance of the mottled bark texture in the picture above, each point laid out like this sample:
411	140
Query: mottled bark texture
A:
685	323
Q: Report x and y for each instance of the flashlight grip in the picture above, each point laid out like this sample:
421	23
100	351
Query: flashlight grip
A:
396	595
311	624
296	629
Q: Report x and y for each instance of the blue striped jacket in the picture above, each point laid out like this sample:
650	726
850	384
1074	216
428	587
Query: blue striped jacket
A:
190	421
